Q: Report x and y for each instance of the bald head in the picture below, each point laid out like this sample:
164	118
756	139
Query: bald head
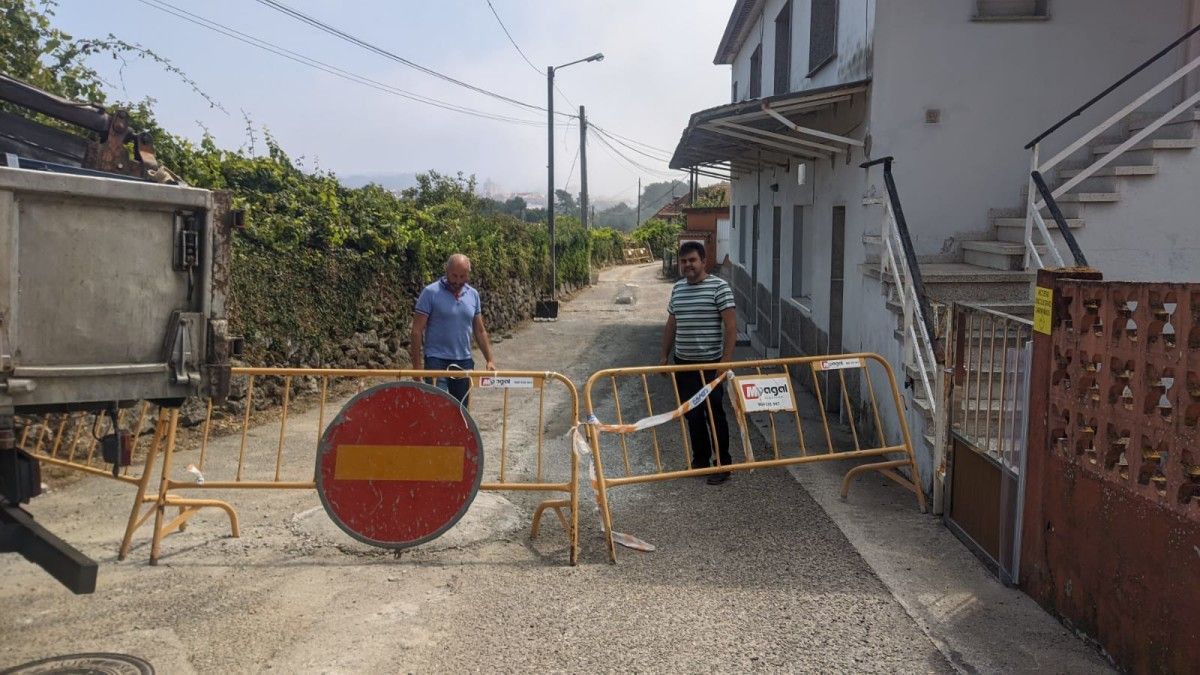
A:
458	271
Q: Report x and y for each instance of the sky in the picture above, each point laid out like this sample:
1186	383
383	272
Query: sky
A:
656	72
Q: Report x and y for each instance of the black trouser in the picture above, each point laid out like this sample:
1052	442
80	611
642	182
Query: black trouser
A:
699	429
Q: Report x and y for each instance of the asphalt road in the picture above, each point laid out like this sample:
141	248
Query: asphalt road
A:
750	575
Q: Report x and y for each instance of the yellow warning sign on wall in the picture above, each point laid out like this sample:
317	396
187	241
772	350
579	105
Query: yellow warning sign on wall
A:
1043	309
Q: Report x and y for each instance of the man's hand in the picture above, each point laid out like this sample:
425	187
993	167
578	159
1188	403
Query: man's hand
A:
491	365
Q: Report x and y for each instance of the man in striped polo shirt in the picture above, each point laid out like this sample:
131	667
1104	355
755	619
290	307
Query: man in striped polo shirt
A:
701	328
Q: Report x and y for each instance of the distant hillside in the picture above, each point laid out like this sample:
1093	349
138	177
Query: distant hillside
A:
391	181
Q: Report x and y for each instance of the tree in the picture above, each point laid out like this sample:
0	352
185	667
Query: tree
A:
435	188
565	204
619	217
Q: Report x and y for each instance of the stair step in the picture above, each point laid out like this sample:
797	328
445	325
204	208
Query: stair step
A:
1013	229
1156	144
1088	198
956	273
1114	171
1000	255
1072	223
948	282
872	239
1143	120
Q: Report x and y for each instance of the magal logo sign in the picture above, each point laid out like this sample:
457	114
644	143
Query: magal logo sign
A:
502	382
752	391
765	393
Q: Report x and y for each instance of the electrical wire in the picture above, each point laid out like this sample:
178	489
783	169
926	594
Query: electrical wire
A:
571	171
637	165
656	158
297	57
510	39
338	33
636	142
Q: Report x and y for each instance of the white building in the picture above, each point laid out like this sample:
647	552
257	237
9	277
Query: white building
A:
953	90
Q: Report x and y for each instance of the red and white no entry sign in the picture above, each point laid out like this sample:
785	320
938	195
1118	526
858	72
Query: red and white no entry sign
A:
399	465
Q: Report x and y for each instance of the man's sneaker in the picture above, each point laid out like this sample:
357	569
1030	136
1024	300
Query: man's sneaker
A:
718	478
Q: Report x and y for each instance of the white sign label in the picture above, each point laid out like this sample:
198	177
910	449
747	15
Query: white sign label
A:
838	364
498	382
765	394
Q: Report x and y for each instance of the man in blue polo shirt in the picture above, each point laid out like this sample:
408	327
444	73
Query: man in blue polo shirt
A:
447	314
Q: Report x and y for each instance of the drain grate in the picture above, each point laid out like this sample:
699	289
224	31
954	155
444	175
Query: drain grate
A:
84	664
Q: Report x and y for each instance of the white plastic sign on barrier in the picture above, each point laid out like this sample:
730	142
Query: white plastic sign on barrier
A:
497	382
838	364
765	393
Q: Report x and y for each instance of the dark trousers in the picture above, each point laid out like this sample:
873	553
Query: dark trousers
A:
455	386
699	429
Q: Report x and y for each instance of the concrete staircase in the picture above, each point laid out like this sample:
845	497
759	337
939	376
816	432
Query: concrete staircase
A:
990	271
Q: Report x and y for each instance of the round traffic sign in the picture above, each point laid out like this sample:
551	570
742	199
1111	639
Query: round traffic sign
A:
399	465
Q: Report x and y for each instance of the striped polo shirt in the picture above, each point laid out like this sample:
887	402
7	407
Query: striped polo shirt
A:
699	334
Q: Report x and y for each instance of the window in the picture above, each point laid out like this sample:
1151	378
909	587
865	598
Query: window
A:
822	34
798	290
756	72
783	50
734	99
1011	9
741	225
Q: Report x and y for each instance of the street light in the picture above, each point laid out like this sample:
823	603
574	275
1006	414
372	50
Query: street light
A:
552	307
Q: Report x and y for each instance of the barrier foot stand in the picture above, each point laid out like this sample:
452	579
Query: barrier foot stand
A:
190	507
886	469
136	517
555	504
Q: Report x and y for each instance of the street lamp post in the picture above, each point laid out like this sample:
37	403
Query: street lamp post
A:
550	166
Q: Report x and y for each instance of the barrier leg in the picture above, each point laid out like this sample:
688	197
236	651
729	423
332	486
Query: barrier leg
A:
574	529
136	517
600	489
161	503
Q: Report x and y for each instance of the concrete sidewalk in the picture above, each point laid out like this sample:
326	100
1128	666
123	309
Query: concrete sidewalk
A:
979	624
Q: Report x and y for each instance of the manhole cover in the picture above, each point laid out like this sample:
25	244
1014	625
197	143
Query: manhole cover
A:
84	664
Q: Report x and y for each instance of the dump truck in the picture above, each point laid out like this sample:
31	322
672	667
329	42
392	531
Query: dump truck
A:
113	286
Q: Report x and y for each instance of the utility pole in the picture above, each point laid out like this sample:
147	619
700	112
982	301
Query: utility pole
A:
638	222
583	195
550	179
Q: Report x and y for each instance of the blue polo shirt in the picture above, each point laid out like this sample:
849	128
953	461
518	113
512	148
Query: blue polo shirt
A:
448	333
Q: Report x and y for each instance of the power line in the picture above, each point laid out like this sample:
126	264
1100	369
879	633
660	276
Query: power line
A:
336	32
636	142
634	149
605	142
571	171
510	38
537	70
253	41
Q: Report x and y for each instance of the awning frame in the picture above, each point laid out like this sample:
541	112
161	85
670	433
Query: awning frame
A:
750	135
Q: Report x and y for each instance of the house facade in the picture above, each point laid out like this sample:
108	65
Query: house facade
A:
953	90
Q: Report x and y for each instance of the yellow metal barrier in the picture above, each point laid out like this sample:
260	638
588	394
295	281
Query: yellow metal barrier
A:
650	450
490	392
68	440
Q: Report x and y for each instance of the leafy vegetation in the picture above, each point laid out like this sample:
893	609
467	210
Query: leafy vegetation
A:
657	235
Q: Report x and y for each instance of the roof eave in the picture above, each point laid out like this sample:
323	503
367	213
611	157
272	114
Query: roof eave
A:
736	30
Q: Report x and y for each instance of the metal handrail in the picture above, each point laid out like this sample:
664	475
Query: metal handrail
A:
1146	64
1052	204
1033	216
910	253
